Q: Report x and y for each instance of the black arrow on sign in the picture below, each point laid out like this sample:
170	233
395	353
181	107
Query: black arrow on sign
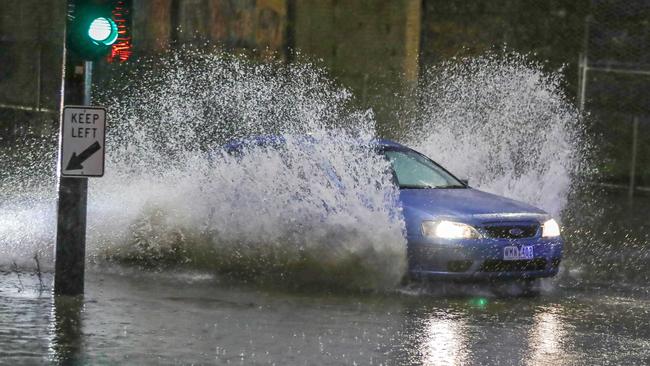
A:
76	160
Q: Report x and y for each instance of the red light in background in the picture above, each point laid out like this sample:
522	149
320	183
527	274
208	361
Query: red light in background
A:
122	49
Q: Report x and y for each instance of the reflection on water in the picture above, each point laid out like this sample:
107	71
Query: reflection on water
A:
444	341
521	333
196	319
65	345
546	338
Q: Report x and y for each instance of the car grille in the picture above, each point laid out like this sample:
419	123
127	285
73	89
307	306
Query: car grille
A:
555	263
458	266
497	265
511	231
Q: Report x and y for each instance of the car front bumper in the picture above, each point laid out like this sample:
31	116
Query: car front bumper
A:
481	258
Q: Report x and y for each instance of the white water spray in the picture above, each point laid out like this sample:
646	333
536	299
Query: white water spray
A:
172	196
505	124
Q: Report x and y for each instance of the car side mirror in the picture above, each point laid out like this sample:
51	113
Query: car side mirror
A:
465	181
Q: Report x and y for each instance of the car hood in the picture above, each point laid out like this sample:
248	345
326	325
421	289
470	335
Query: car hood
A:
466	204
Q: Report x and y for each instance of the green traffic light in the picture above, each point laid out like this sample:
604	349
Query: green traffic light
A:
103	31
91	30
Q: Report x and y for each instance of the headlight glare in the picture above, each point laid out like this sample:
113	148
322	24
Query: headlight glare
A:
449	230
550	229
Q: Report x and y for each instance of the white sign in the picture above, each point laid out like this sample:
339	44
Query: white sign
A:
82	141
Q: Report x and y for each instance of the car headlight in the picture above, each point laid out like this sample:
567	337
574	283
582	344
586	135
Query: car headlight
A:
550	229
449	230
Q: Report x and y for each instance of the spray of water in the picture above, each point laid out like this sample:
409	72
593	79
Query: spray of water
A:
27	200
504	123
312	211
322	212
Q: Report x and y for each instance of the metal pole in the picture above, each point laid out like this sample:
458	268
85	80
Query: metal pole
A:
71	219
635	142
585	66
71	237
583	83
39	76
88	81
578	90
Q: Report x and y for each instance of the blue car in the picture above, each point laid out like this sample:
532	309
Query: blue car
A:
455	232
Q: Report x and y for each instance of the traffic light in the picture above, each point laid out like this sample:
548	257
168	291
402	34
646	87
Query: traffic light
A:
91	28
121	50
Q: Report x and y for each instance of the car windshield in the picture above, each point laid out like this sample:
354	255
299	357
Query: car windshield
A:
414	171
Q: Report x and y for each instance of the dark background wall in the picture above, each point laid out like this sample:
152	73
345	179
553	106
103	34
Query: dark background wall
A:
372	47
552	30
31	35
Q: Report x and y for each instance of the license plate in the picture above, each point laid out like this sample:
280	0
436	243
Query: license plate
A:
513	253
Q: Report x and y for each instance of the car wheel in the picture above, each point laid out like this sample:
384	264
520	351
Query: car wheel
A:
530	287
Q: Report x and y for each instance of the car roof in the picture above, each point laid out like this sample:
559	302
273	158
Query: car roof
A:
264	140
390	143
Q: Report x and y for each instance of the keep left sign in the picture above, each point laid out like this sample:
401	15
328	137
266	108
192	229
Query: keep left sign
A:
82	141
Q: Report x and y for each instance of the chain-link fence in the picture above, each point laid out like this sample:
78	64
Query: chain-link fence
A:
614	86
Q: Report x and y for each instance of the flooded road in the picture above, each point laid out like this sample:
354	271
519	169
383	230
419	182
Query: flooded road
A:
185	211
597	311
136	317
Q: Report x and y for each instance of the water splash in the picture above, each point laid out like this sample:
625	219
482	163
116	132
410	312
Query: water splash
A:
506	124
172	196
27	199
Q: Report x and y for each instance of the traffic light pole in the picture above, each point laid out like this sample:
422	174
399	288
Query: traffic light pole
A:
90	33
73	192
